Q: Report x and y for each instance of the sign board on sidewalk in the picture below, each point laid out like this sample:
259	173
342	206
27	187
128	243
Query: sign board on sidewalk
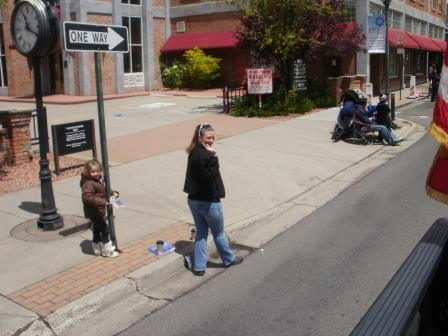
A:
299	75
72	138
412	82
259	81
94	37
369	89
376	34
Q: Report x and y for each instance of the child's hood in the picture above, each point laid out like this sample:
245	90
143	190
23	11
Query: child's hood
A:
85	178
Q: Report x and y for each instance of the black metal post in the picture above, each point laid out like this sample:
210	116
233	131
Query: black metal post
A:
386	5
103	142
49	218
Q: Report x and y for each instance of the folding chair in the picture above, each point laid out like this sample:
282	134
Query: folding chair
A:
362	130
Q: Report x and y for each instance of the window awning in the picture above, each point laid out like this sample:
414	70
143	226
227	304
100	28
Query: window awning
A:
202	40
440	43
401	39
426	43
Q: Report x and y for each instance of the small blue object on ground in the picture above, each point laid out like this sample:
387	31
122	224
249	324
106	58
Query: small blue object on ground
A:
167	248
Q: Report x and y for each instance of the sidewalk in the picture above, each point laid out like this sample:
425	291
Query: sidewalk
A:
269	167
61	99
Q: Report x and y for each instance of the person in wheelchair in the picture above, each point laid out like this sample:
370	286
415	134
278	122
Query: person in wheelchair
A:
344	122
363	120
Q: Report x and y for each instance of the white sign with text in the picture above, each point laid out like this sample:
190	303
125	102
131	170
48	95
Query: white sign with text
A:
259	81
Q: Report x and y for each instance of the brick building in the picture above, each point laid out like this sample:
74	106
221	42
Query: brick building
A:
416	39
161	29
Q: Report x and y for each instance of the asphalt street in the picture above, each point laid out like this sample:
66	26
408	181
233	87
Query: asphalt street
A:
320	276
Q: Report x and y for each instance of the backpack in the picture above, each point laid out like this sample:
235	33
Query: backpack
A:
350	95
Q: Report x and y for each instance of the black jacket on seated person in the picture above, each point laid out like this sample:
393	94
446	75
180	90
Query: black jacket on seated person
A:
383	115
203	180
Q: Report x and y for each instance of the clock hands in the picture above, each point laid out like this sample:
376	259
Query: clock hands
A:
27	26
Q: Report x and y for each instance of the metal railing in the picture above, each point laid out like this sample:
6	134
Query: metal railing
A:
230	94
415	301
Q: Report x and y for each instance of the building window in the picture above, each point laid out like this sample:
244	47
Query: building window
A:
396	19
393	68
431	30
416	26
433	4
3	73
133	60
423	28
131	2
408	24
407	62
419	63
350	10
375	9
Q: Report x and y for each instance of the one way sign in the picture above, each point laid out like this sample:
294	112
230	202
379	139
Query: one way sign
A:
92	37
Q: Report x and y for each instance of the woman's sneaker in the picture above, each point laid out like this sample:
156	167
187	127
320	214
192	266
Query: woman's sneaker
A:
238	260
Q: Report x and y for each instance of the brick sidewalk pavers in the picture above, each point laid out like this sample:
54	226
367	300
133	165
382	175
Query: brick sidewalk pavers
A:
46	296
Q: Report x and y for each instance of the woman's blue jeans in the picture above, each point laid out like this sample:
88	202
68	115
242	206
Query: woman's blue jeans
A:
209	215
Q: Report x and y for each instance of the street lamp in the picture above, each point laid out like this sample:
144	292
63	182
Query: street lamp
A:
386	5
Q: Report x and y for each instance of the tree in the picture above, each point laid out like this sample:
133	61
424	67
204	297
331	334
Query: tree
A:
279	32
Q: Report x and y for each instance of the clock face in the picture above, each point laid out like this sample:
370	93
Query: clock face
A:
26	27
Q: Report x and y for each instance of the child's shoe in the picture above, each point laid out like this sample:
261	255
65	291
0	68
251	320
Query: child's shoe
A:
96	248
108	250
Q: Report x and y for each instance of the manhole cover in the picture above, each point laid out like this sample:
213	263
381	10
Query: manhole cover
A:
29	231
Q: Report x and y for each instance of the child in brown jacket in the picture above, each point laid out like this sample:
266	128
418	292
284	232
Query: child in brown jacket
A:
94	201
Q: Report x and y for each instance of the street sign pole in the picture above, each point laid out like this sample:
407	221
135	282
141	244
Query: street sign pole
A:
97	38
103	142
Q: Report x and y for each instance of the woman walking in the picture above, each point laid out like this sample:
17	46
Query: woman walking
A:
204	186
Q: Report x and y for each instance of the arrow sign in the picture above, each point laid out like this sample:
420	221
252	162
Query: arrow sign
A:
92	37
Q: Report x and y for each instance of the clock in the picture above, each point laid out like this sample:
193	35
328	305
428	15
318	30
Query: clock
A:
34	27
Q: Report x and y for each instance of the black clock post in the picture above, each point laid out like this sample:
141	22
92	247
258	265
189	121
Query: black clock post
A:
34	30
49	218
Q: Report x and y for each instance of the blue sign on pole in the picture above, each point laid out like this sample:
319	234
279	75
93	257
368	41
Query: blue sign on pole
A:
376	34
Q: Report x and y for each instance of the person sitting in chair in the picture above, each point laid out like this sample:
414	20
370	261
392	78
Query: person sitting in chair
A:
384	132
382	116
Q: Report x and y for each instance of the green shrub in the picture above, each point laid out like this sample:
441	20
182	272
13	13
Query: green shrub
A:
324	101
320	95
173	76
304	104
278	103
201	70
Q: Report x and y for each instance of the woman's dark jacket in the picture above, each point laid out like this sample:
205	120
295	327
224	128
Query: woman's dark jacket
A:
203	180
383	115
93	197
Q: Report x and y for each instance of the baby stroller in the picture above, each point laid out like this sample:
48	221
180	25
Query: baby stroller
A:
344	124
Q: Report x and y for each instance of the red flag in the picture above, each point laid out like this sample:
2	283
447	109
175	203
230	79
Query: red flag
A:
439	124
437	180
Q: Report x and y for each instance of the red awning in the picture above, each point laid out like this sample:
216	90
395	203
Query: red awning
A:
426	43
401	39
208	40
440	43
